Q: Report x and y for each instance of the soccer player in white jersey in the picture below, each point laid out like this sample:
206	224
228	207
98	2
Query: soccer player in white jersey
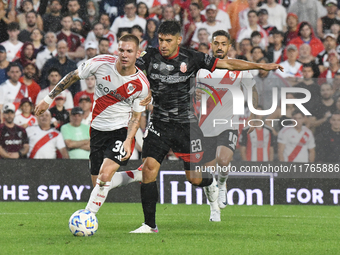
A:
120	87
221	139
296	144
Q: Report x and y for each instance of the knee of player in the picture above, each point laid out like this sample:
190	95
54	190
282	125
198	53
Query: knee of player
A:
223	161
195	181
104	177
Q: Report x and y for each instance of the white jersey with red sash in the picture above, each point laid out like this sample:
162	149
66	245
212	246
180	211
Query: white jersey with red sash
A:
21	120
10	93
115	95
44	143
220	102
296	143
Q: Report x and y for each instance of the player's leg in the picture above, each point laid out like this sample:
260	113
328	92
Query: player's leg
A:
102	188
226	144
155	148
124	178
98	146
106	145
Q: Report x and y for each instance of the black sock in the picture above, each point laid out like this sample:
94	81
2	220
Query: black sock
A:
149	195
206	181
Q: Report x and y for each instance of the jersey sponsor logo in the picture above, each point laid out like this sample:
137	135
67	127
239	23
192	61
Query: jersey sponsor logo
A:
13	142
183	67
130	88
111	92
107	78
170	67
232	75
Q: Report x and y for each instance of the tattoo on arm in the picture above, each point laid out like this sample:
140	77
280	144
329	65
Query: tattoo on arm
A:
64	83
133	125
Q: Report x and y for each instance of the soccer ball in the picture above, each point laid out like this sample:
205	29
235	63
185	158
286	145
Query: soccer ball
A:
83	223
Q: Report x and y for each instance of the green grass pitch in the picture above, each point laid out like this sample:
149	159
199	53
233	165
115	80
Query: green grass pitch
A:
42	228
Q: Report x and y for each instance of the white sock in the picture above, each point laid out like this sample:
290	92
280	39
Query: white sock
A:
124	178
222	177
98	196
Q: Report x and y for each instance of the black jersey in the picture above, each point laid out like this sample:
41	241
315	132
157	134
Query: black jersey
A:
172	82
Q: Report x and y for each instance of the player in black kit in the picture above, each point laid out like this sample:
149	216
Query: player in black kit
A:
173	125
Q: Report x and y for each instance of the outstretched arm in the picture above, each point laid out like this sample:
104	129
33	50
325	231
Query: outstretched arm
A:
63	84
132	130
241	65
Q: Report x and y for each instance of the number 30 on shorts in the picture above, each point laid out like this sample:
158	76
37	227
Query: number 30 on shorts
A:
119	147
196	145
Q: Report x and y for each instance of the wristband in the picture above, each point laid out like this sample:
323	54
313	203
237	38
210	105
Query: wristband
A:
48	100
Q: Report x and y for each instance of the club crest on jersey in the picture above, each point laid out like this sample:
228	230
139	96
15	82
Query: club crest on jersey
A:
183	67
130	88
50	135
170	67
155	66
197	155
232	75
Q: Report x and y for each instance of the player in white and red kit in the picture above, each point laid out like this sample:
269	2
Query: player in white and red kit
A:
296	144
221	139
45	142
120	89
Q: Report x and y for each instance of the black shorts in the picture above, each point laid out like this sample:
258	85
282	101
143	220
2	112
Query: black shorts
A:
107	144
185	140
227	138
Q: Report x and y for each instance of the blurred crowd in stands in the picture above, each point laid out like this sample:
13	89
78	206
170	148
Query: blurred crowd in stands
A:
41	41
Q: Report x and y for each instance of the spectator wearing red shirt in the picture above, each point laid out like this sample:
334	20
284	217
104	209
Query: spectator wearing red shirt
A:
13	139
33	88
306	35
292	26
75	48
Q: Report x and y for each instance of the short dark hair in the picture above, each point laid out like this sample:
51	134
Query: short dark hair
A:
204	45
53	69
67	15
129	38
255	48
221	33
277	32
13	64
13	26
308	65
103	39
298	111
138	27
96	23
130	2
196	5
169	27
255	33
252	11
31	11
